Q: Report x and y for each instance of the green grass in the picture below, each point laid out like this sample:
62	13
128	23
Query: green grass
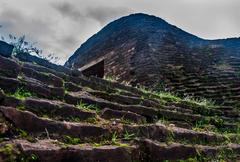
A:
111	78
20	107
71	140
127	136
201	102
171	97
112	140
21	93
86	106
8	151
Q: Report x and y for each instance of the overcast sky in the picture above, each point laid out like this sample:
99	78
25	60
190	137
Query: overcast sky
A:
60	27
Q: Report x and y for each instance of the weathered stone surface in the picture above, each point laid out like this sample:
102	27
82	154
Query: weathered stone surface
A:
147	112
126	100
39	125
156	152
1	95
88	83
44	69
162	133
9	84
9	67
180	116
123	115
49	151
56	109
11	101
46	78
6	49
3	125
76	73
43	90
26	57
72	87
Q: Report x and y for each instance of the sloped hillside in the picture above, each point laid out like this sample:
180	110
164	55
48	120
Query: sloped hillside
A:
56	114
146	50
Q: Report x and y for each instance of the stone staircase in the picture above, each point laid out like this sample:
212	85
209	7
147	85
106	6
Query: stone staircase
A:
58	115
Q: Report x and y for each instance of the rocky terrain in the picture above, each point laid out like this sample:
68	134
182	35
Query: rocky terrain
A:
49	113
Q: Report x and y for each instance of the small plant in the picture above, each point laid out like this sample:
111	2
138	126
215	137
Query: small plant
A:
217	121
111	78
27	158
21	45
202	101
125	121
71	140
114	138
86	106
46	116
163	121
9	152
20	107
21	93
171	97
167	96
170	136
128	136
22	133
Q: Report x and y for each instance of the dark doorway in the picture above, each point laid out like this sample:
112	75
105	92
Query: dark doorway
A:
96	69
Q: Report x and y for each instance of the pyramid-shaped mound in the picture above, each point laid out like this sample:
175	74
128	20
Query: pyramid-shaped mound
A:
146	50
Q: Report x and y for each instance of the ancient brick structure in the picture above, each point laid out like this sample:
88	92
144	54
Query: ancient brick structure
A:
146	50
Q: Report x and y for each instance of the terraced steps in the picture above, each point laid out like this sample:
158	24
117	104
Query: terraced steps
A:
47	114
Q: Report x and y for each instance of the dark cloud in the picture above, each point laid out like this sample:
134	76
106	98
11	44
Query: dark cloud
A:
106	14
102	14
68	9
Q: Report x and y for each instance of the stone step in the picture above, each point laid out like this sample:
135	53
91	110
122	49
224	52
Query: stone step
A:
41	126
26	57
75	98
125	100
42	90
49	108
9	67
124	116
69	86
197	109
83	82
43	69
9	85
178	109
144	150
51	150
46	78
115	85
175	151
56	109
174	115
163	133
